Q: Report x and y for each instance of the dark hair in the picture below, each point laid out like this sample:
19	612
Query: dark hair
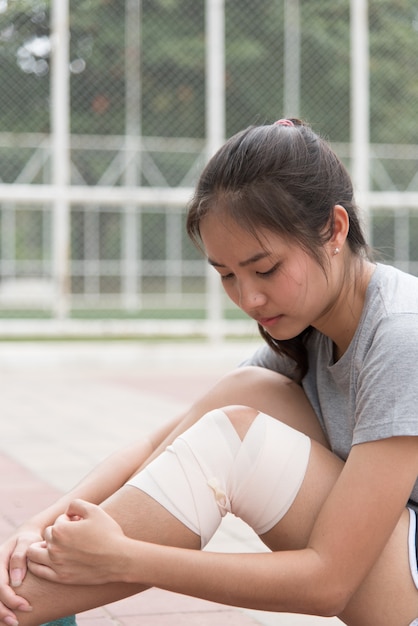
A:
285	179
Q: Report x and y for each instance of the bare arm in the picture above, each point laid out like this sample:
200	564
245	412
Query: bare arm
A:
105	478
350	534
270	391
250	385
98	485
103	481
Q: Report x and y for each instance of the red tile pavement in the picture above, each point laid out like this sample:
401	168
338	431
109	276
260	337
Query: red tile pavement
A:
22	494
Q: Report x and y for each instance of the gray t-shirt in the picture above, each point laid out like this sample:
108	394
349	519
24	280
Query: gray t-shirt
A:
371	393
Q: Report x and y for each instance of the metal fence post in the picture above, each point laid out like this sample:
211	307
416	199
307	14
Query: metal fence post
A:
60	155
360	107
292	46
215	133
132	280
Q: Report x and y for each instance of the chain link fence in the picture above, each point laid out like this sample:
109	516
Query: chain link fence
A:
139	121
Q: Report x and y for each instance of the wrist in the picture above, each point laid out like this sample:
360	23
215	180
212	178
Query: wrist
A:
134	564
31	527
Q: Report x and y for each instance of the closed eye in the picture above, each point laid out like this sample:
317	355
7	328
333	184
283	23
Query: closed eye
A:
226	276
270	271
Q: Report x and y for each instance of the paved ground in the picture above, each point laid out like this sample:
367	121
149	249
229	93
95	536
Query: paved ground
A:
66	406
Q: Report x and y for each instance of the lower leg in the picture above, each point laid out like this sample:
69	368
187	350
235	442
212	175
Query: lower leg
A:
63	621
267	390
141	518
52	601
255	386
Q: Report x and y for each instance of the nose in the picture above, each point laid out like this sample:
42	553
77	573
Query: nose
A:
250	298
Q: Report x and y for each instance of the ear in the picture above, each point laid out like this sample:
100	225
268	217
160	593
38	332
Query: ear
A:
340	230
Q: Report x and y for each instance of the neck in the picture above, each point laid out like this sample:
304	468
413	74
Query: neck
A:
345	312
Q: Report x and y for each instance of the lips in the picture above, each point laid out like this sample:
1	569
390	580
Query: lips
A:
269	321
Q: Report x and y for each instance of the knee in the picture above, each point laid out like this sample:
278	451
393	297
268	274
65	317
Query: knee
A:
254	376
241	417
245	384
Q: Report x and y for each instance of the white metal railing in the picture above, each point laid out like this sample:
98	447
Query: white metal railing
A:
53	155
167	199
104	197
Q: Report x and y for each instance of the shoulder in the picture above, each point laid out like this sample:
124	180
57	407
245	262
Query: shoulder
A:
390	313
394	290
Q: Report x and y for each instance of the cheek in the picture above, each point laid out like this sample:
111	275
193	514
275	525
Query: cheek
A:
305	279
231	291
293	290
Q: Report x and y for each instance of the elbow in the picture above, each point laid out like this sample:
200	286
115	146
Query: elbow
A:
330	599
330	588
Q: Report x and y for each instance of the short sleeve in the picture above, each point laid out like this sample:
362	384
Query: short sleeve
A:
387	383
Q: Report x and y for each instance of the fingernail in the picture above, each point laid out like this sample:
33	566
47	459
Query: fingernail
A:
11	621
16	577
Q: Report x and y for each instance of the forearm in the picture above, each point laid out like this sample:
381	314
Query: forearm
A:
107	477
99	484
279	582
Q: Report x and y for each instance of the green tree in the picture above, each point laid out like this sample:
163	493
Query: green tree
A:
24	67
172	36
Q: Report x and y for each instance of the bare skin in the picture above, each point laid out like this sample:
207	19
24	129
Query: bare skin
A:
380	590
342	547
274	393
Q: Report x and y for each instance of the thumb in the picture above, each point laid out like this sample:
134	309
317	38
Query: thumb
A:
79	509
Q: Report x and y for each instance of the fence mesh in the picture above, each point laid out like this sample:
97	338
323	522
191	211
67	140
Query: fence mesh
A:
138	117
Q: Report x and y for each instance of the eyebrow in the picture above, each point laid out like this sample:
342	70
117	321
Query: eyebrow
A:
252	259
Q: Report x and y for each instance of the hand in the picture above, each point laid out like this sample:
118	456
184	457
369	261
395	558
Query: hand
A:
83	547
13	571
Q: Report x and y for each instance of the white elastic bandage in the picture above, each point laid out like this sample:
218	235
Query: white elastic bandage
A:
208	471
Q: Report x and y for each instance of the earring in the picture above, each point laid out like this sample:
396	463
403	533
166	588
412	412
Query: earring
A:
335	251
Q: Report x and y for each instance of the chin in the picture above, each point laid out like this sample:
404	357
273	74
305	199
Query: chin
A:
282	334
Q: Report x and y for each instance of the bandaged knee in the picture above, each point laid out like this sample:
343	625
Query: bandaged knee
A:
209	471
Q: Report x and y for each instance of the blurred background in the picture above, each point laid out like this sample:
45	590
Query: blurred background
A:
110	108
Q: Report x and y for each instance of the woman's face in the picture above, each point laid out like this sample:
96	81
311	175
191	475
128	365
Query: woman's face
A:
274	281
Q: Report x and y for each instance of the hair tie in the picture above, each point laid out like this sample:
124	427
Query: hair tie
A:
284	122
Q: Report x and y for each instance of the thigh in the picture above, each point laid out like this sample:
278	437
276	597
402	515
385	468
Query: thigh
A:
266	391
388	595
257	387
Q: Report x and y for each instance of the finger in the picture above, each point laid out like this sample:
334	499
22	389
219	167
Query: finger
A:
61	519
39	553
17	565
48	534
7	616
79	509
17	562
10	601
17	571
42	571
8	597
